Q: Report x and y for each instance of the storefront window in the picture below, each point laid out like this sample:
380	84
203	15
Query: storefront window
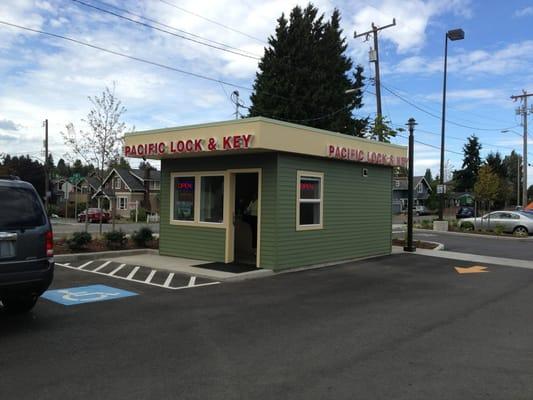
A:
309	201
212	199
184	198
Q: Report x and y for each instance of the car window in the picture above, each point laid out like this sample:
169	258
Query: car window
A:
20	208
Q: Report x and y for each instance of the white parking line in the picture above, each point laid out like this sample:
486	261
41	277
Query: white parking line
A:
102	266
117	269
84	265
132	273
192	281
169	279
150	276
143	282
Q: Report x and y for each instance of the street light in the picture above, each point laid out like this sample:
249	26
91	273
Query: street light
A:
517	169
454	34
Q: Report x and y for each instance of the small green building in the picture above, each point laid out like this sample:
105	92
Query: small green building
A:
269	193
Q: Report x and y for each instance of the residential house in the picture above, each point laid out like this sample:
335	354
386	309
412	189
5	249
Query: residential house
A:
131	189
400	193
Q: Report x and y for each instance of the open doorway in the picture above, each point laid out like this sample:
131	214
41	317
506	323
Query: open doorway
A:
245	221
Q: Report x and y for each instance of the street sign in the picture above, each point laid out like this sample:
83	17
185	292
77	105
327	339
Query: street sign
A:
75	178
441	189
85	294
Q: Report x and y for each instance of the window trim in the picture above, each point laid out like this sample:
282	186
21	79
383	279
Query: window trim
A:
309	174
197	175
125	205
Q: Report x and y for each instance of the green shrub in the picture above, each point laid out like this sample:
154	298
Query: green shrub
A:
467	226
115	240
498	229
427	224
79	240
141	216
142	236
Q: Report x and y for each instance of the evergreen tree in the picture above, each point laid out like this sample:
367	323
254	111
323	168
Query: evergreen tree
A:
512	163
304	74
495	162
62	169
428	176
465	178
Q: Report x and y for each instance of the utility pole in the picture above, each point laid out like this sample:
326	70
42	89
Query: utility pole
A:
374	57
523	111
235	99
46	184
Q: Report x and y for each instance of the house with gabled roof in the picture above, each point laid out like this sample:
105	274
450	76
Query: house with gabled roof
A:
400	193
130	189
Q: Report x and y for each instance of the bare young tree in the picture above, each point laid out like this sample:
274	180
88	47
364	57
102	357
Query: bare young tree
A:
102	142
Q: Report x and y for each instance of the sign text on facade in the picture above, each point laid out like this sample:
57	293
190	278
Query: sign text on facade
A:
371	157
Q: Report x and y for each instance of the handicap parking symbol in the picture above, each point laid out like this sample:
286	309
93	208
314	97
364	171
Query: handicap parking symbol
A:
85	294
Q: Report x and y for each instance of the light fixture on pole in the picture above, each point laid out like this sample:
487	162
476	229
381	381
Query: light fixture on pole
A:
454	34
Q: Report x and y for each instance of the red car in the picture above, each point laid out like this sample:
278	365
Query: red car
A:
94	215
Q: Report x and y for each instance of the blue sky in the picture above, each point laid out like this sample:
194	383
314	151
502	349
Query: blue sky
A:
44	77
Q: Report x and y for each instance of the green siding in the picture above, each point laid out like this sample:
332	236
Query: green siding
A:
356	220
209	243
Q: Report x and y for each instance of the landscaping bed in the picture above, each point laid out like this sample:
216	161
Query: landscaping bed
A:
83	242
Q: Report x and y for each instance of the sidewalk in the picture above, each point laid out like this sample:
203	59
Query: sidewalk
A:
186	266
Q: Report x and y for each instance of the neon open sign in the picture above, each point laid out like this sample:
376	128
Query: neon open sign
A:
184	186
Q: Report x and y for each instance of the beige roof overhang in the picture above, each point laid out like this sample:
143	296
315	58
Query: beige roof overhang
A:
259	134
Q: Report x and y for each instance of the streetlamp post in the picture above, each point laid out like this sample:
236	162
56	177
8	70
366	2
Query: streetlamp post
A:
454	34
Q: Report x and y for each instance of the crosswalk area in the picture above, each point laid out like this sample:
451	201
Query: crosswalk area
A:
139	274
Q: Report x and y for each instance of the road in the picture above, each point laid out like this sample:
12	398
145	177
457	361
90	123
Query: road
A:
494	246
67	227
398	327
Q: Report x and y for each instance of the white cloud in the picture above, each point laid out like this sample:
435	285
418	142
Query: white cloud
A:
510	58
412	18
524	12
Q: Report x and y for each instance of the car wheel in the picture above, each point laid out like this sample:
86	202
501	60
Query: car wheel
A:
19	304
520	231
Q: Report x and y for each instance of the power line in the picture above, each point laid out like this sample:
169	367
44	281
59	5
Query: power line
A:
431	145
172	27
470	113
213	21
438	117
142	60
164	30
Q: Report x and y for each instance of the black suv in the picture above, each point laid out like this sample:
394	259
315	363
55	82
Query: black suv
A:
26	246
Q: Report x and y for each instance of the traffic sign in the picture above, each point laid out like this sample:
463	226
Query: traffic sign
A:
441	189
85	294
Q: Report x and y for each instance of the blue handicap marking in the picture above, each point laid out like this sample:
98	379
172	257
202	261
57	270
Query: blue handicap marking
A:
85	294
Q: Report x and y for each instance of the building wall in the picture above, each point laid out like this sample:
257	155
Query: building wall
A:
357	218
209	243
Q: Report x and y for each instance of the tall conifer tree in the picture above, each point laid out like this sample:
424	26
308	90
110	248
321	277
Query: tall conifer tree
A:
304	74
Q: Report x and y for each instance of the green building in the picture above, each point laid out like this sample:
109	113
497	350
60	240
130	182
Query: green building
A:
269	193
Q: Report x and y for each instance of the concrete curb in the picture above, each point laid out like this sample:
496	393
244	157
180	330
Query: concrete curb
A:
440	247
63	258
473	235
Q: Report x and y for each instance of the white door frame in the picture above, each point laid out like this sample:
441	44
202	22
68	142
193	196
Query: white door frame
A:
230	212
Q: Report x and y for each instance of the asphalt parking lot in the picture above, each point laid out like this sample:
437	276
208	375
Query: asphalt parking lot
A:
397	327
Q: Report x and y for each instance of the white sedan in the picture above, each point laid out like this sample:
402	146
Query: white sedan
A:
517	222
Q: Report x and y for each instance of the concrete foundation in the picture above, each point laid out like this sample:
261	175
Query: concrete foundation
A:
440	226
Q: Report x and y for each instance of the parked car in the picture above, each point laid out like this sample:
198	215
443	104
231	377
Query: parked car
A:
516	222
94	215
26	246
465	212
421	210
